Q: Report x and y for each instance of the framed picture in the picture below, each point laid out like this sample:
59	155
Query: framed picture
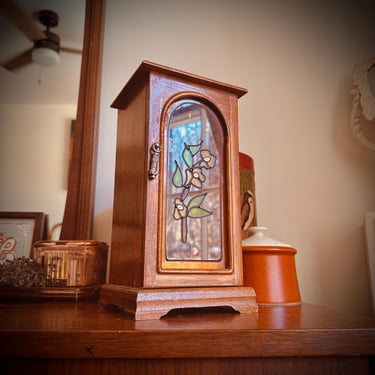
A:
19	231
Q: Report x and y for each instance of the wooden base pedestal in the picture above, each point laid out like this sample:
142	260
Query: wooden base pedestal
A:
148	304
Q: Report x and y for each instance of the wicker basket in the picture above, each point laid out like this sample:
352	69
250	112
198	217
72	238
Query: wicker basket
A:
72	263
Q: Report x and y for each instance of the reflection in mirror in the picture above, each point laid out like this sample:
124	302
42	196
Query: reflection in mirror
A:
194	184
37	106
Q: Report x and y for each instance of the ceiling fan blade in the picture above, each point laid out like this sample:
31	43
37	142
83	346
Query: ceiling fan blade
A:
15	15
71	50
20	60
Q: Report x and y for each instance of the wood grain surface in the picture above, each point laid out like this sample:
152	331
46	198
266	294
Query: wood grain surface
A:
77	338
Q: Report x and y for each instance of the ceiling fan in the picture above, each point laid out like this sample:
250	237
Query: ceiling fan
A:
46	49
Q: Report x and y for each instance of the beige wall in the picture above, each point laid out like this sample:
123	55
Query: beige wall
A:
34	146
314	180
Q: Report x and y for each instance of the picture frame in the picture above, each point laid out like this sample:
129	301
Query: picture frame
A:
19	231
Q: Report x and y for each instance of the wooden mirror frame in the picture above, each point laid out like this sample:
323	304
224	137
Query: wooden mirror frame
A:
79	207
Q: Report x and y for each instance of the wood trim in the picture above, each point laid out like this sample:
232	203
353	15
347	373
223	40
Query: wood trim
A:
79	208
148	304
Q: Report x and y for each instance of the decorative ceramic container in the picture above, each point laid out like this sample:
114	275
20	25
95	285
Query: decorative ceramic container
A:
269	267
247	194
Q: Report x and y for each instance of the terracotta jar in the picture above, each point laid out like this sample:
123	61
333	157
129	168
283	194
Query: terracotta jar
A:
269	268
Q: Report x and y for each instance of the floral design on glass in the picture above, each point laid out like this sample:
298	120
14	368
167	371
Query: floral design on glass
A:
190	175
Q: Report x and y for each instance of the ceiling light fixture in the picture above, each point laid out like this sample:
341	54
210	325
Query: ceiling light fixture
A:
46	51
45	56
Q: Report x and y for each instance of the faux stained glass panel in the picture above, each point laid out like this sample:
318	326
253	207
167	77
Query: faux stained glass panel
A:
194	184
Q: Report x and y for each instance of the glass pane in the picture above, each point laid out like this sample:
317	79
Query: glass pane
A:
194	183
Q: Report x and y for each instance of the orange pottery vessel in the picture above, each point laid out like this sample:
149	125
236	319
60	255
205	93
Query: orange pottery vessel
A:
269	268
247	194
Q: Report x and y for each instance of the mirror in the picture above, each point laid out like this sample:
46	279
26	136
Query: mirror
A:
28	193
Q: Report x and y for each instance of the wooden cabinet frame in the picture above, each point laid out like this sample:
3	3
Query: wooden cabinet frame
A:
138	238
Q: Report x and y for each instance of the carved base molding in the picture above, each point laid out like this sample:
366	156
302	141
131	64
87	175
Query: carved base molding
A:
148	304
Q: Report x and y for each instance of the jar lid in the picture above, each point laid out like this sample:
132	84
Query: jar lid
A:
258	238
